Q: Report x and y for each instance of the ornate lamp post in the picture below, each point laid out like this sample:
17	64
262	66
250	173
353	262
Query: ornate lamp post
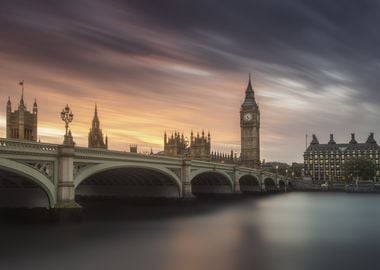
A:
276	171
276	174
67	116
286	179
187	150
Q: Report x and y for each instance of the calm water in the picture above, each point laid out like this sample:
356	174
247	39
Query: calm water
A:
287	231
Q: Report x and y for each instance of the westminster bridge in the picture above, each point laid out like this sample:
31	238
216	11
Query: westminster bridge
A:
52	175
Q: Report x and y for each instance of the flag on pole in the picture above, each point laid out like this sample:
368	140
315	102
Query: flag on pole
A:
21	83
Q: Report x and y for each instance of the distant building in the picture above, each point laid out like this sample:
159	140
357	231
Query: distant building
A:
95	136
250	129
175	145
198	147
276	167
133	148
325	162
225	157
22	124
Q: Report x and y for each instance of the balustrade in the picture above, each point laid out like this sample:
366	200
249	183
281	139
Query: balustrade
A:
6	144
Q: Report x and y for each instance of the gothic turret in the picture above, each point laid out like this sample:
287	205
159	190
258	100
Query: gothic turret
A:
95	136
35	110
9	105
95	119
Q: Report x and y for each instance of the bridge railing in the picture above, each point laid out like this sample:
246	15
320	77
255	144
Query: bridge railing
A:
7	144
97	152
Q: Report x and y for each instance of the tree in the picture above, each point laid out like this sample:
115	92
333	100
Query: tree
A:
297	169
359	167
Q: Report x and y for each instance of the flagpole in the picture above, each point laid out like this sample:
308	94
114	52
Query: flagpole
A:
22	88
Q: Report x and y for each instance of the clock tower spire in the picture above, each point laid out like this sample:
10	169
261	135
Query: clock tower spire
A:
250	129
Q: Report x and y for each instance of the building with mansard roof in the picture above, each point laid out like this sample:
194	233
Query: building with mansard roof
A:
95	136
325	162
21	124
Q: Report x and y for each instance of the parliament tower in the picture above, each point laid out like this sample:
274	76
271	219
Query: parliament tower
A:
95	136
250	129
22	124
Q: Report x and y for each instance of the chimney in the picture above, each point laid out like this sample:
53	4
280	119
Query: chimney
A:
353	141
315	140
371	138
332	139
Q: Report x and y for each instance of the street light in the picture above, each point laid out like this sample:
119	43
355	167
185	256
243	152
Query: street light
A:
67	116
276	173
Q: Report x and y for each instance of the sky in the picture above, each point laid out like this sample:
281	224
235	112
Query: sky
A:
156	66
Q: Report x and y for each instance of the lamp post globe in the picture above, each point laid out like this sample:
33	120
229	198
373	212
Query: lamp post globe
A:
67	117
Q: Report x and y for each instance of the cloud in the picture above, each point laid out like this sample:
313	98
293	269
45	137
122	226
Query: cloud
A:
166	65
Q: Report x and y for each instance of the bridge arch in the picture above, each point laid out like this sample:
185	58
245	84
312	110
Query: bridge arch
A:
211	182
270	184
249	184
127	180
31	175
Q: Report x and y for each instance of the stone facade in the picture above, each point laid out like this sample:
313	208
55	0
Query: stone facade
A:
199	146
133	148
250	129
22	124
325	162
95	136
224	157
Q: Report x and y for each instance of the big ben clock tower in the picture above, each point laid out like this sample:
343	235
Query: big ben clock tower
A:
250	129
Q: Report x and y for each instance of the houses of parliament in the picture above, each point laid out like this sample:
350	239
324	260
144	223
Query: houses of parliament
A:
199	146
22	125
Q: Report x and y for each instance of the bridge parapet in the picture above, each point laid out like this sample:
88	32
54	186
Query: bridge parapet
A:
22	146
212	165
60	169
104	153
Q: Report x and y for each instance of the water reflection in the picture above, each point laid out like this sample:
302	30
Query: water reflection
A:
287	231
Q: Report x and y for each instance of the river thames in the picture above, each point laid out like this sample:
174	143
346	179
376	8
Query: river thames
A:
286	231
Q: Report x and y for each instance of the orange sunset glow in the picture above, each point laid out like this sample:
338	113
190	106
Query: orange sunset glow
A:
151	72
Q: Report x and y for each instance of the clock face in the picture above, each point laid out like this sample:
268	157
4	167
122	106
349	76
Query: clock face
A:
247	117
